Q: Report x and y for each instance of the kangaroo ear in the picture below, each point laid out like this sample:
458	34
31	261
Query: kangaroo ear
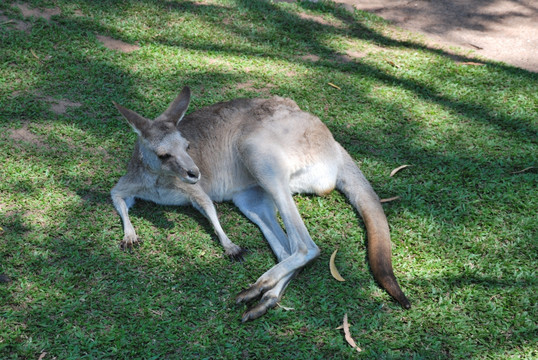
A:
139	123
177	108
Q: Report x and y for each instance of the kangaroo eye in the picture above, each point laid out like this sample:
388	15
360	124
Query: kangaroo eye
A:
165	156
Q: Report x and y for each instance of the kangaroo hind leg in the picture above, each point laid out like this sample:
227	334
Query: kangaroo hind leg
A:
256	205
269	166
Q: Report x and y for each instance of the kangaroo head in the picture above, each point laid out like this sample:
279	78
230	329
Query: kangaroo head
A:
164	148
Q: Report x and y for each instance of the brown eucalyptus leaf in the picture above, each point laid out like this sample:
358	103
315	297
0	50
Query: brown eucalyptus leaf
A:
392	63
347	335
473	63
393	172
389	199
335	86
334	270
524	170
285	307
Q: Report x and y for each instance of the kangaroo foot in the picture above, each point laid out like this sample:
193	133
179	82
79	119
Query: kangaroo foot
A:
268	301
248	294
263	285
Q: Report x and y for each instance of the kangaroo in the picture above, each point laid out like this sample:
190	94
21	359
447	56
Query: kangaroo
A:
255	153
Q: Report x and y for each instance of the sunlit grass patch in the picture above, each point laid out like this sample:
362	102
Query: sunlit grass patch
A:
463	229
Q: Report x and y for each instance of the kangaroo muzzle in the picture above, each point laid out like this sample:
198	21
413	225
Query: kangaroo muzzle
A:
191	175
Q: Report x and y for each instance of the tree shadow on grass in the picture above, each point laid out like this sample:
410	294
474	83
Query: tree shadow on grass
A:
150	300
121	289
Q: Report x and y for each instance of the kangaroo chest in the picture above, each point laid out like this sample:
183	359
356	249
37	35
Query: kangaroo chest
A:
164	191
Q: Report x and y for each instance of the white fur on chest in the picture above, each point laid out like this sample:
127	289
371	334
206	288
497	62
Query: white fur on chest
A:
163	195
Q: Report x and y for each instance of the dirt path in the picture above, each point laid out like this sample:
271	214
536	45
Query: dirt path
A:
503	30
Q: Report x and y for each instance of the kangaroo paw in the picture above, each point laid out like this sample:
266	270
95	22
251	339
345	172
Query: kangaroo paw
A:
238	255
129	242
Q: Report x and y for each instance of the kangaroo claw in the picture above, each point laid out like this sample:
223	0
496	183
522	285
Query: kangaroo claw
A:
129	243
239	256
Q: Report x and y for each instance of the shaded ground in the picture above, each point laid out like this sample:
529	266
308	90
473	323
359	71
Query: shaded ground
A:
503	30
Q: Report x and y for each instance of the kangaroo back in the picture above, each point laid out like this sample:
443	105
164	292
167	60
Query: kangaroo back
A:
352	183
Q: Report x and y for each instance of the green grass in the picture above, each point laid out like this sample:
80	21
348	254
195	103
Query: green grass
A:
464	232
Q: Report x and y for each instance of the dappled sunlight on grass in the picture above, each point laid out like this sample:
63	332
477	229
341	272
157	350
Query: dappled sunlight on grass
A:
463	229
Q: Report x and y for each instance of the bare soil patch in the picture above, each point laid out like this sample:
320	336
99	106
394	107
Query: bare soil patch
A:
39	13
503	30
320	20
118	45
310	57
350	56
356	54
23	135
17	24
60	107
250	86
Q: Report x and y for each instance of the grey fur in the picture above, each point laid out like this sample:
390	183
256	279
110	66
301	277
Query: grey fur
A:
256	153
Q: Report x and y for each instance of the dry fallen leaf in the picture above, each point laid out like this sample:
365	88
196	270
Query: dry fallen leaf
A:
35	55
390	62
334	270
284	307
335	86
389	199
393	172
347	335
476	46
42	356
471	63
524	170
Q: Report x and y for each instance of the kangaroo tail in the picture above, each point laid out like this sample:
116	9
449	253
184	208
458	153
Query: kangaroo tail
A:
352	183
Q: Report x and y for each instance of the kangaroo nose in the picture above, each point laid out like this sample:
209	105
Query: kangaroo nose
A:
193	174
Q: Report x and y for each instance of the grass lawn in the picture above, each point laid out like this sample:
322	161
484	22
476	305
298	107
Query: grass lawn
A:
464	231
